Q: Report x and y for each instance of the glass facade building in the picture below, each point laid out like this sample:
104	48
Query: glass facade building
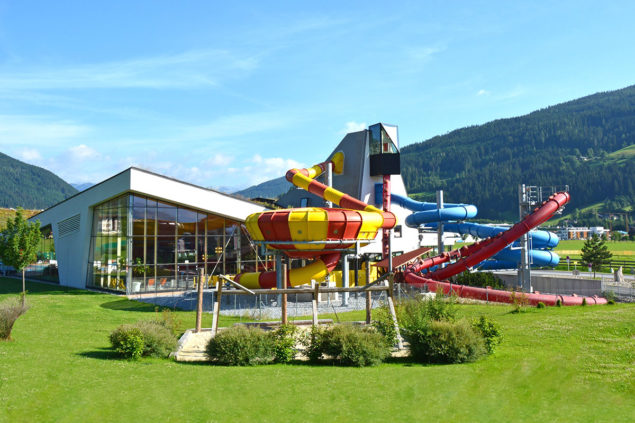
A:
140	245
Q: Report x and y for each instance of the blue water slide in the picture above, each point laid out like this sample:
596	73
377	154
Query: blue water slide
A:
429	215
428	212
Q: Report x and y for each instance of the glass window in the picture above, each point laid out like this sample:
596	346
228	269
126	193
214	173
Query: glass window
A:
187	220
165	250
166	220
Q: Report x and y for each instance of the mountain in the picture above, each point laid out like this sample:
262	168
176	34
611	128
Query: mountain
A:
273	188
82	185
587	144
28	186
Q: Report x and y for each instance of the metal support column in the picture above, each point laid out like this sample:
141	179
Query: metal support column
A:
440	245
329	180
524	271
345	279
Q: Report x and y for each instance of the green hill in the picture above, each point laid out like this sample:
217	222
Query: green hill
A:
28	186
588	144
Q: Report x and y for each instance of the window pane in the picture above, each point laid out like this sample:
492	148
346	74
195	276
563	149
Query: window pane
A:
151	217
165	278
138	220
186	249
166	218
187	222
165	250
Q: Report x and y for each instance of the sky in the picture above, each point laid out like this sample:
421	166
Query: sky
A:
230	94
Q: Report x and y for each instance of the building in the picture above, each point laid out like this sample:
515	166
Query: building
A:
143	232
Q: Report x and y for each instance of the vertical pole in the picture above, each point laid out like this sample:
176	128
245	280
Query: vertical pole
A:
329	180
284	296
216	315
278	274
440	246
368	302
314	302
524	275
345	279
238	249
386	238
199	300
391	306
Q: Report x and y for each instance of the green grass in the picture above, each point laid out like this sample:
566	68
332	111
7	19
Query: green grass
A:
556	364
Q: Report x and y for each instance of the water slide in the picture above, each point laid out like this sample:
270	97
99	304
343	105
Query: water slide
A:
469	256
429	214
314	232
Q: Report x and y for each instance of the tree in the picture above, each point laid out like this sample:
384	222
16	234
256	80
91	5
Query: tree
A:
18	244
595	252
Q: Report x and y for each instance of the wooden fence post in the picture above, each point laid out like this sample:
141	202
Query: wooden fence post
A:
316	294
199	301
216	315
391	306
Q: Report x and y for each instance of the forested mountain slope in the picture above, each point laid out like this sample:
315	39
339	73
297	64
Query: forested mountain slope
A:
588	144
28	186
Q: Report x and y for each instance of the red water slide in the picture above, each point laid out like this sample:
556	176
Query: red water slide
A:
470	256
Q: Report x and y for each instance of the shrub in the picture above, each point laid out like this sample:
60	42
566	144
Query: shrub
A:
354	346
584	301
445	342
313	342
610	296
170	321
417	313
10	310
384	324
284	343
241	346
480	279
610	302
519	301
490	331
127	341
540	305
558	302
156	339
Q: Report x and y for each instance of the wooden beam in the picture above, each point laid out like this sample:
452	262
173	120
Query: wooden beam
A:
284	295
199	300
314	302
236	284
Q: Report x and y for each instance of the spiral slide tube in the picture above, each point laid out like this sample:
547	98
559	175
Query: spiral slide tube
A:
429	214
313	232
468	256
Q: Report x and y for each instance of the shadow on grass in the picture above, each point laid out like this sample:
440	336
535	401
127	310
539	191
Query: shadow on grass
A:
14	286
101	354
129	305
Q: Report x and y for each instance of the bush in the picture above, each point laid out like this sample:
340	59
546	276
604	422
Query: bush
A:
540	305
127	341
480	279
445	342
584	301
558	302
349	345
418	313
10	310
284	343
241	346
519	301
170	320
384	324
490	331
313	342
156	339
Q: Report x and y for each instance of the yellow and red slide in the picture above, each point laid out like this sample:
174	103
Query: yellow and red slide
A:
314	232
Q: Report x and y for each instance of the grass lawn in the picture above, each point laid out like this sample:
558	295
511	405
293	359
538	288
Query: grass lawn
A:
556	364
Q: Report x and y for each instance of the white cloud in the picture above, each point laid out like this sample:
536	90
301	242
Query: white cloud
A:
190	69
482	92
353	126
82	152
30	155
37	130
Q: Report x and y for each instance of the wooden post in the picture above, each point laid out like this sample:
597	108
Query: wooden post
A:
284	296
316	294
391	306
216	315
368	298
199	301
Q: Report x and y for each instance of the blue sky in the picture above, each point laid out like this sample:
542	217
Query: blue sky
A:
229	95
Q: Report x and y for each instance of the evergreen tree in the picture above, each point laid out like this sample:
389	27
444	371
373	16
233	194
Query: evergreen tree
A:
18	244
595	252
